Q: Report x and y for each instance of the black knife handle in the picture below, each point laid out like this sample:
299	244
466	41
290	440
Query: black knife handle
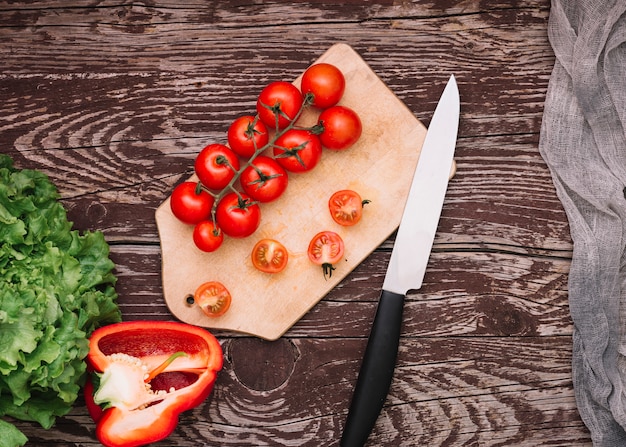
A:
376	372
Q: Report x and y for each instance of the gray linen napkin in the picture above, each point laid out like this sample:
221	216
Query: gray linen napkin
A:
584	144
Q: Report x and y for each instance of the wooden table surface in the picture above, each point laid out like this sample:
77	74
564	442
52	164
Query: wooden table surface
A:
113	101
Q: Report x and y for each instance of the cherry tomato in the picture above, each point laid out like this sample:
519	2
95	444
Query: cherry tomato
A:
298	150
213	298
247	134
342	127
269	256
278	104
346	207
238	216
325	82
190	204
206	237
325	249
265	180
216	165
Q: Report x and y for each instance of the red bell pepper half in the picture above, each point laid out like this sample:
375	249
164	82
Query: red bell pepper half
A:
145	373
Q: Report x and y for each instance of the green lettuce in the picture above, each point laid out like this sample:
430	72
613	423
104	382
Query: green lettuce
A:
56	287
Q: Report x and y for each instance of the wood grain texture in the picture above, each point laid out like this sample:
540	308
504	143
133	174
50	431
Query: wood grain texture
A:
113	100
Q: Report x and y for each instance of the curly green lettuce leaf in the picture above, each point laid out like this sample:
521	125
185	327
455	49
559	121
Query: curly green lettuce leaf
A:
58	286
10	435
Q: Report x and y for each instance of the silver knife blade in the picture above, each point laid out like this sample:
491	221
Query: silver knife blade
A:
407	266
415	236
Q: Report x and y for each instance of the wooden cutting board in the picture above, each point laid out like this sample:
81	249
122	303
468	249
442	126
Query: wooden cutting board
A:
379	167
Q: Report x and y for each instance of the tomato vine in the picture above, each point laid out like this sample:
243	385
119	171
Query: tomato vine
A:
274	135
230	187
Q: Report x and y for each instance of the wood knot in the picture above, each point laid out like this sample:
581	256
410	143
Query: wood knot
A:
498	316
262	365
95	211
85	213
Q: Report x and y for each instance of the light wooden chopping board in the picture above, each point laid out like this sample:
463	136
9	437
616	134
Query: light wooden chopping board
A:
379	167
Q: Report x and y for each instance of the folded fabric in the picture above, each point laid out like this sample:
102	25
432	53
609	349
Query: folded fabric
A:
584	145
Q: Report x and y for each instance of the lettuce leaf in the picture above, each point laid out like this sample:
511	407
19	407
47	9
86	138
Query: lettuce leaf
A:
10	435
57	287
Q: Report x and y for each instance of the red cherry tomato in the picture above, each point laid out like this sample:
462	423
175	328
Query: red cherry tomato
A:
325	82
213	298
237	216
247	134
206	237
342	127
190	204
325	249
346	207
298	150
265	180
269	256
278	104
216	165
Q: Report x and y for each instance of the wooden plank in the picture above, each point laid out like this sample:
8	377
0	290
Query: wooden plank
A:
138	18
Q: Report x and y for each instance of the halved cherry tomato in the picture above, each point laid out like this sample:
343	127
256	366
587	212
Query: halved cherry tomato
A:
265	180
278	104
238	216
216	166
346	207
342	127
191	204
325	82
269	256
207	237
325	249
213	298
247	134
298	150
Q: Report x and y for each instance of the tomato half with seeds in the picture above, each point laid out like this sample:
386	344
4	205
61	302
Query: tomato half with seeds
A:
298	150
265	180
326	82
325	249
213	298
207	236
216	166
346	207
190	203
342	127
278	104
246	135
238	215
269	256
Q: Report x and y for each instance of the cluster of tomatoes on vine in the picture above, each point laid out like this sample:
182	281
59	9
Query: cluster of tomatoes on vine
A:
262	151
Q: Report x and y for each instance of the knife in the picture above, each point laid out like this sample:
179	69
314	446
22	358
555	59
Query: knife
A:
407	266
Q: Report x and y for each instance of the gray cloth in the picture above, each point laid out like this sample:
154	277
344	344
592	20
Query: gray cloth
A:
584	144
